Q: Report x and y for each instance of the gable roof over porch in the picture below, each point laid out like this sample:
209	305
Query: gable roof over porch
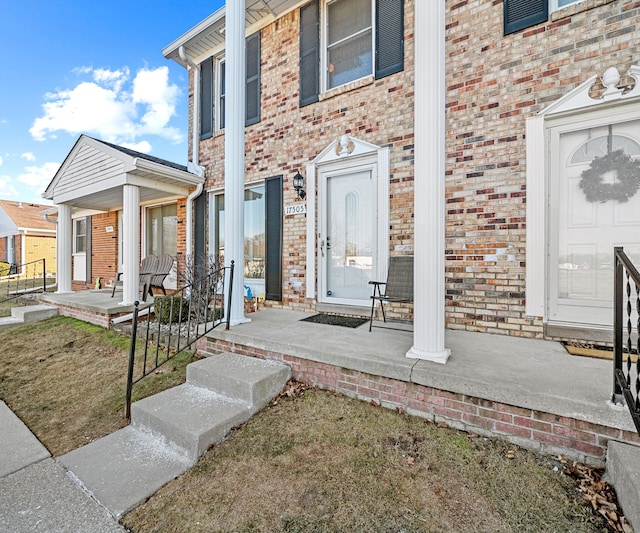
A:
94	172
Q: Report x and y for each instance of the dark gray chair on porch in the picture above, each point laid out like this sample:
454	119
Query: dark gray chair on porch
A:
163	269
397	289
148	267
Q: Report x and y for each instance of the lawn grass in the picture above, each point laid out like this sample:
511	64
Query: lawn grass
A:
318	463
326	463
66	380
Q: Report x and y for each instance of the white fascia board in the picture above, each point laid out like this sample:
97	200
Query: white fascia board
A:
34	231
171	49
187	178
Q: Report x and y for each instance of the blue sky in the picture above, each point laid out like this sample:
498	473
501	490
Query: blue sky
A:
96	67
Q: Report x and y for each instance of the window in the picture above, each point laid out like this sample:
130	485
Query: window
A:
349	42
80	236
521	14
162	226
359	38
262	236
254	230
215	90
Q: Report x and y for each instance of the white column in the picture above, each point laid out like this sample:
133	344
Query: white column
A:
429	183
130	244
64	248
234	152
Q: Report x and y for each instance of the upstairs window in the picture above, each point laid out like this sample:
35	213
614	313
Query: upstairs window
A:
358	38
213	89
349	52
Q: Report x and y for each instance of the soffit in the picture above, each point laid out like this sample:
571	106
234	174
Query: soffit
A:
208	36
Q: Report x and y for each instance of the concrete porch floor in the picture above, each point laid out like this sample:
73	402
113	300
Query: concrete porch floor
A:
526	373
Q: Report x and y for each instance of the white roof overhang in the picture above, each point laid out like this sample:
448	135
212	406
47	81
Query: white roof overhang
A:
207	37
94	174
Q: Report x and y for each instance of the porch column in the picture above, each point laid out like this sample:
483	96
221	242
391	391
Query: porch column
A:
64	249
234	153
130	244
429	183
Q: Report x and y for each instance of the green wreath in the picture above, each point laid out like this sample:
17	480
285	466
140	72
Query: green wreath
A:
627	174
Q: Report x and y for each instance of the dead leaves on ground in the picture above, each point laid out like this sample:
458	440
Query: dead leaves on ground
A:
598	493
293	389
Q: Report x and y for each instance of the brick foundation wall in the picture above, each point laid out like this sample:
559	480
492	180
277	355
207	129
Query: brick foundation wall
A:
537	430
85	315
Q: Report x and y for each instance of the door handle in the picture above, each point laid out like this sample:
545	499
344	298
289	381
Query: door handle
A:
322	247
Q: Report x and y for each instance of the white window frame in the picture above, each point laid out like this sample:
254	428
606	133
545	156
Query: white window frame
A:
257	285
324	53
76	235
219	109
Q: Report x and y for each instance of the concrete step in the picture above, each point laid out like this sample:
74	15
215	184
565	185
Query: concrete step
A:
251	380
623	472
189	418
123	469
31	313
8	321
170	430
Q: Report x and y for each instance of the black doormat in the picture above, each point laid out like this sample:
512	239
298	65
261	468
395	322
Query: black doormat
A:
336	320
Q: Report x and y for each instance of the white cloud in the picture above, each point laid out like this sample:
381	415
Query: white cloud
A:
38	177
28	156
0	161
7	190
103	107
142	146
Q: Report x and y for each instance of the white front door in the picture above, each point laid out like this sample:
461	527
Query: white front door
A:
348	244
588	217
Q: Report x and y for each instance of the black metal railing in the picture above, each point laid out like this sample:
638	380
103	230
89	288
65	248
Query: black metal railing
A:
16	281
626	339
173	324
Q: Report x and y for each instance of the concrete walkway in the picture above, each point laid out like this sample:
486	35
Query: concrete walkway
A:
37	493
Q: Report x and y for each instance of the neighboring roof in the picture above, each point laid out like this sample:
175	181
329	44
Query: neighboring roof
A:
22	216
148	157
94	173
208	35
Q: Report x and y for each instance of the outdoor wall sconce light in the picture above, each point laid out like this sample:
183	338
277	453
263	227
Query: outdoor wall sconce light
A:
298	184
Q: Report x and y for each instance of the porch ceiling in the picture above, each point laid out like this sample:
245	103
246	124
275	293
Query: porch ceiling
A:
208	35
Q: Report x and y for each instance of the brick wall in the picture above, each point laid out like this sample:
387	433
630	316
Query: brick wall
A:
545	432
288	137
494	83
104	248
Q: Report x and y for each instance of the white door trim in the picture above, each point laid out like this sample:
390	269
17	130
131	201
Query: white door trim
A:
359	152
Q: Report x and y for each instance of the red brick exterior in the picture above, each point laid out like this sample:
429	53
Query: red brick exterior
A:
493	83
288	137
544	432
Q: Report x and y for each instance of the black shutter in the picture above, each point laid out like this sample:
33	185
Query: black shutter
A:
309	53
273	238
200	262
206	98
520	14
253	79
389	37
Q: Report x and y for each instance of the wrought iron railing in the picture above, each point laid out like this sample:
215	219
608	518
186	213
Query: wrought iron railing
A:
16	281
626	339
172	324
